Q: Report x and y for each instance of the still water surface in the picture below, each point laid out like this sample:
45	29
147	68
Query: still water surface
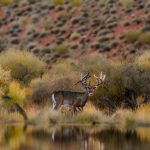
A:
18	137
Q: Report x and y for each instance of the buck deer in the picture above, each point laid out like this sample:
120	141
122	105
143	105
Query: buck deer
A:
77	99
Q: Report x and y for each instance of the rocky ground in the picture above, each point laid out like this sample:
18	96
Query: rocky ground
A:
66	31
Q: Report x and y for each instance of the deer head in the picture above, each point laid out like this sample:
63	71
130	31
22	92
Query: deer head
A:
91	89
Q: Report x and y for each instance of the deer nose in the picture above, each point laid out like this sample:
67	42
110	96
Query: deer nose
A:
90	94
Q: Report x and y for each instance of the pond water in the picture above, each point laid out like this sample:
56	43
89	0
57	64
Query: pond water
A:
18	137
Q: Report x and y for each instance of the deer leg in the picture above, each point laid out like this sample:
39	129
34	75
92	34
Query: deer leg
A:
74	109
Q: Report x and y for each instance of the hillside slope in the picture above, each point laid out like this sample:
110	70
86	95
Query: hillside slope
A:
75	28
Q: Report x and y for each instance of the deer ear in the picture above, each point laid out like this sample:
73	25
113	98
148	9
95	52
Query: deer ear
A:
104	76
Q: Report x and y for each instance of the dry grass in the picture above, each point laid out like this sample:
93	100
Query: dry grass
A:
46	116
125	118
142	114
6	117
129	118
126	3
143	60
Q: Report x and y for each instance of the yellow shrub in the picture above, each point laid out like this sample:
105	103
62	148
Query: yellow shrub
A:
58	2
16	94
6	2
76	2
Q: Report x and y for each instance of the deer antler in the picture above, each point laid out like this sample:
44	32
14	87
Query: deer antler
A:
100	80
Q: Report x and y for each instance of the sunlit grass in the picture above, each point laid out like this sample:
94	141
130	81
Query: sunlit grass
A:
6	117
142	114
46	116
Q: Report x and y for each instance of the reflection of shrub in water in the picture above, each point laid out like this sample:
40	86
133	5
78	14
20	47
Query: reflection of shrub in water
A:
127	139
14	137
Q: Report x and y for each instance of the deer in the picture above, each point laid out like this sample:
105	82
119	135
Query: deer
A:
76	100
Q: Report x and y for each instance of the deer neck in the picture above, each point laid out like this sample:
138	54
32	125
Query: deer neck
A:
85	98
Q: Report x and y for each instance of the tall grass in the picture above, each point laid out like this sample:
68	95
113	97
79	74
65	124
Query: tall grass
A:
4	76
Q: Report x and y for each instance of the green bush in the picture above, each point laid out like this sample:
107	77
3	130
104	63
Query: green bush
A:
23	66
62	68
76	3
40	91
113	87
143	63
132	36
60	48
6	2
110	95
58	2
126	3
94	64
75	36
144	38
